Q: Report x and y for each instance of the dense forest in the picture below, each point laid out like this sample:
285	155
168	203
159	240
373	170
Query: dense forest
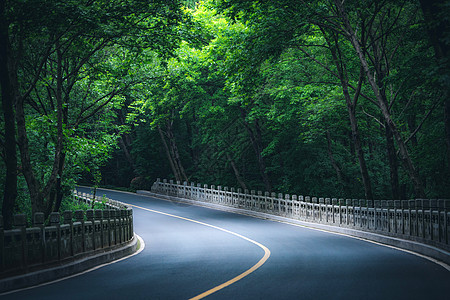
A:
323	98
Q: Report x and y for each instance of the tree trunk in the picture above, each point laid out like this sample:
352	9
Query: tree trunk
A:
59	188
333	161
37	193
175	171
124	146
175	153
256	140
236	172
437	27
404	155
8	96
393	163
172	153
351	108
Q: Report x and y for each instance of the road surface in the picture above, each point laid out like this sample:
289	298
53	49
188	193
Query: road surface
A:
190	250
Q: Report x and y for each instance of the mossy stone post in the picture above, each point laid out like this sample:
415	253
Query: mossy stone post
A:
122	225
68	219
266	201
2	246
112	226
38	221
98	227
130	220
280	200
106	227
20	222
348	202
55	220
295	206
79	217
261	201
90	219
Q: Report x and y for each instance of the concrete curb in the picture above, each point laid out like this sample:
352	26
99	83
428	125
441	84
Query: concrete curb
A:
94	259
437	255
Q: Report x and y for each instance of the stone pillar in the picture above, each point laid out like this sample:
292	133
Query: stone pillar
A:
107	227
287	203
272	201
90	222
301	201
2	246
98	227
68	216
295	206
261	200
79	217
55	220
280	199
130	219
123	223
112	227
446	217
20	222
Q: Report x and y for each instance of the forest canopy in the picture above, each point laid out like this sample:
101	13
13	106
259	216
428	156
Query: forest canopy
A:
323	98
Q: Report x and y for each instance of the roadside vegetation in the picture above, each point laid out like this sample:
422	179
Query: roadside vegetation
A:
303	97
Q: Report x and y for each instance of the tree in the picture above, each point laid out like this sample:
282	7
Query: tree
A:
435	13
9	141
64	72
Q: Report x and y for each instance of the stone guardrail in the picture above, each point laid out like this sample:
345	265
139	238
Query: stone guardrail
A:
423	221
80	234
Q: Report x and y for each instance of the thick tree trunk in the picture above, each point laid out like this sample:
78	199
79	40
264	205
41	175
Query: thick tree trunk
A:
37	201
8	96
37	193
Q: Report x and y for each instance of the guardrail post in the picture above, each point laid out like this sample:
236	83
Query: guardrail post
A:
68	219
98	226
20	222
2	246
79	217
107	226
55	220
38	221
266	201
90	218
446	220
130	220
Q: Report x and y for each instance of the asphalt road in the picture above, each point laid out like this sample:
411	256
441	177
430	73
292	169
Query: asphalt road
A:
190	250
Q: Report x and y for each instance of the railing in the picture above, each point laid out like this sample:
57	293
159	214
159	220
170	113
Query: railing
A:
81	233
423	220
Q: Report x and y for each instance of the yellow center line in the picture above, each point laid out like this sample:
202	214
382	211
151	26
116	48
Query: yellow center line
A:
233	280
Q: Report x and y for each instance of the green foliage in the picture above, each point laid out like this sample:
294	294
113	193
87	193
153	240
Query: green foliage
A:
269	70
237	93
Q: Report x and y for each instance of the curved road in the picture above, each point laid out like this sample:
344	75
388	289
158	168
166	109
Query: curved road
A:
190	250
